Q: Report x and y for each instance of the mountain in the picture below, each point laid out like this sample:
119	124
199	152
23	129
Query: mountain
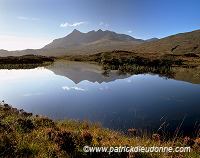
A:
77	38
78	43
188	42
151	39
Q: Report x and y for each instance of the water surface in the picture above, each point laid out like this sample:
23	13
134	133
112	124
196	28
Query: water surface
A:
80	91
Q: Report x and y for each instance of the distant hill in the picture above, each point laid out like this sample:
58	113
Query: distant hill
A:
4	53
77	38
188	42
151	39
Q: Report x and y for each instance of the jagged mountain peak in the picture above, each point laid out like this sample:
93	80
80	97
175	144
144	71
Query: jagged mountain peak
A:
99	30
75	31
77	38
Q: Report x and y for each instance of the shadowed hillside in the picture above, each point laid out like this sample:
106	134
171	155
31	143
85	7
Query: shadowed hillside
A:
180	43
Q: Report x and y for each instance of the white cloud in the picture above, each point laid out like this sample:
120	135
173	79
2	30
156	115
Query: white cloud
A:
20	43
101	23
75	88
104	24
129	31
73	25
64	25
26	18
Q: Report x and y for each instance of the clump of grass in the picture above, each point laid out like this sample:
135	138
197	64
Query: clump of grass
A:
87	137
25	136
156	137
65	140
133	131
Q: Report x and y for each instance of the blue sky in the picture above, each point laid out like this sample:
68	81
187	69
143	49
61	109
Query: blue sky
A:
34	23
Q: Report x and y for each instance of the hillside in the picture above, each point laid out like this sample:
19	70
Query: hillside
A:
188	42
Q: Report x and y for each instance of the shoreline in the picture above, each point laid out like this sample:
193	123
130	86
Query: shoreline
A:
116	57
26	59
36	136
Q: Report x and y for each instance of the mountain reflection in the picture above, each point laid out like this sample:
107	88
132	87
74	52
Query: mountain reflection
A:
78	71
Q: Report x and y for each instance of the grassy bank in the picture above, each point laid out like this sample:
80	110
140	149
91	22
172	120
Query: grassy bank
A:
24	135
139	63
119	57
24	62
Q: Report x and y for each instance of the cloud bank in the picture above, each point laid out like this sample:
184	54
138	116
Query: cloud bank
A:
72	25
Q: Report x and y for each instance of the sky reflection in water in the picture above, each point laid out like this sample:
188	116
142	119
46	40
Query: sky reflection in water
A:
138	101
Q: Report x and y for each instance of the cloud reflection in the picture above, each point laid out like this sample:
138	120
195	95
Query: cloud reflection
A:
75	88
105	88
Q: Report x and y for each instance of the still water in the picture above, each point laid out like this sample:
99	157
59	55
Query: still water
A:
80	91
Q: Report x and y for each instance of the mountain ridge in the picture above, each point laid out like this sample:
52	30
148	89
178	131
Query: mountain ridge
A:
77	38
103	41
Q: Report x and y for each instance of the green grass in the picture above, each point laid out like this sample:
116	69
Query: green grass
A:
23	135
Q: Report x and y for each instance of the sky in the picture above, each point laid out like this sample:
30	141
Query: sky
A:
34	23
